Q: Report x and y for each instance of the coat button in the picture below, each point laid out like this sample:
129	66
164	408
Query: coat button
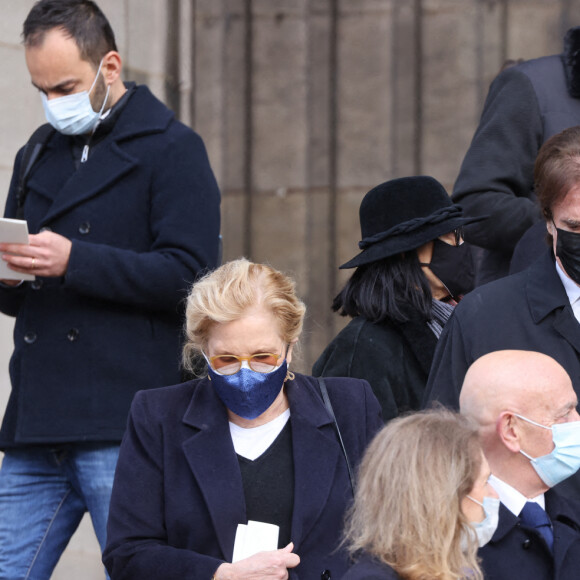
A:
30	337
73	334
325	575
526	545
85	228
36	284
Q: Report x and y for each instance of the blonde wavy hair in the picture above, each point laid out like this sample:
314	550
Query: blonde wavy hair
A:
407	507
225	294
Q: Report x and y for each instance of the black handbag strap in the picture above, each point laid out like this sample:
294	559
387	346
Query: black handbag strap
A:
330	410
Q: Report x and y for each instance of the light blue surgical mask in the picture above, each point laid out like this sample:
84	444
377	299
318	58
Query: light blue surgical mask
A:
564	460
248	393
74	114
487	527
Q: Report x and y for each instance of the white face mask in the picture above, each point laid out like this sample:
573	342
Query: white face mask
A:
564	460
73	114
487	527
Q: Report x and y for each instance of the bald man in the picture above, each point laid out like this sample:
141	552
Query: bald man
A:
524	403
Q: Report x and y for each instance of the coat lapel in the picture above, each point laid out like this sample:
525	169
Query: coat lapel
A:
52	170
316	455
567	326
546	294
212	459
566	527
506	522
107	165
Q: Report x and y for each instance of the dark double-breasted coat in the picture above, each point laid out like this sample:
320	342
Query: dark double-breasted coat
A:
143	217
178	495
516	551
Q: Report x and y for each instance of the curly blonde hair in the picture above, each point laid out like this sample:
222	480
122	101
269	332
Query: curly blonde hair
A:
225	294
407	507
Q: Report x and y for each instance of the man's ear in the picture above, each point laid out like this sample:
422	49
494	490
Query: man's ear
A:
111	67
508	431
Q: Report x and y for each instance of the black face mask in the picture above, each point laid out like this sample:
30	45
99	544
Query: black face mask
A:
453	265
568	250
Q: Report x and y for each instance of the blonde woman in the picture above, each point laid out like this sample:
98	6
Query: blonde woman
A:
251	441
419	510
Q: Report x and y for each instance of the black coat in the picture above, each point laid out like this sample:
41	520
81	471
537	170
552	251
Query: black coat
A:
516	551
178	495
394	358
367	568
143	217
525	311
526	105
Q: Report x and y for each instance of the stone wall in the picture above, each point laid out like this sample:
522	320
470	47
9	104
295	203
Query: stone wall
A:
304	105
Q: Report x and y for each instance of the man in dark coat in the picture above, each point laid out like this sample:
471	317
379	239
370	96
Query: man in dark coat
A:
537	309
123	209
526	104
523	402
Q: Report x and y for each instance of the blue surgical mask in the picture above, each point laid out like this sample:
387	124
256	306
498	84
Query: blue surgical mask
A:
564	460
248	393
487	527
73	114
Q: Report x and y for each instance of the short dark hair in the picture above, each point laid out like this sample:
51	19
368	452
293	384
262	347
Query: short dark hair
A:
557	168
387	290
82	20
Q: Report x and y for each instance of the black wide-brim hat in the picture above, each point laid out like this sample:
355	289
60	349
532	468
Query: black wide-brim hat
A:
402	215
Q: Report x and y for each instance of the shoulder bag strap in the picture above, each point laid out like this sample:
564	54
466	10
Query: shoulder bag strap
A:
32	152
330	410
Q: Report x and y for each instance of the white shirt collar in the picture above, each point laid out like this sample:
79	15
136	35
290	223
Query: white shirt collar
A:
572	289
512	498
252	442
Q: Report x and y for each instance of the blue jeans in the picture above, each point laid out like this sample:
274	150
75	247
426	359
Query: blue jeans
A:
44	493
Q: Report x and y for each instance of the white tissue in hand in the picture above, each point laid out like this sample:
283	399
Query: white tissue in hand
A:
253	538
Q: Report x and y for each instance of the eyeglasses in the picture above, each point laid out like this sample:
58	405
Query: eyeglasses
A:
230	364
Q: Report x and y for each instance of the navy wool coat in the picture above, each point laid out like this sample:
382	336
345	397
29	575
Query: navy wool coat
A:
516	551
368	568
178	495
143	217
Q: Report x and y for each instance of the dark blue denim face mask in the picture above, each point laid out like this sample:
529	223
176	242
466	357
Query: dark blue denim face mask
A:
248	393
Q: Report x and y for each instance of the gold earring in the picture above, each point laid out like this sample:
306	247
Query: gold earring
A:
289	376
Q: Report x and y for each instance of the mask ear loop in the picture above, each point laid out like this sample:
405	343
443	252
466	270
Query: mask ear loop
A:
529	457
106	95
96	76
474	500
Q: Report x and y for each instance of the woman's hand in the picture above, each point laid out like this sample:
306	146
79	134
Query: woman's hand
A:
273	564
